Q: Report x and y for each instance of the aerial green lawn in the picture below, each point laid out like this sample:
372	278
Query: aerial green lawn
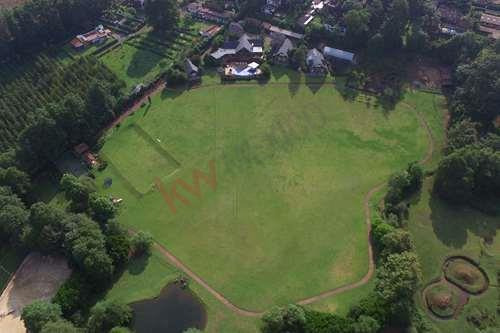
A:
134	65
292	163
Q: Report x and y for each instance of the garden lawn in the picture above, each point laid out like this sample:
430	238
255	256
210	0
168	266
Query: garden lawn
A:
293	164
145	277
440	230
134	65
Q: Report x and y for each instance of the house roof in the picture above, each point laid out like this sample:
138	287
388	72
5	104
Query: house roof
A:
81	148
339	54
190	67
315	58
284	32
232	47
285	47
490	19
244	43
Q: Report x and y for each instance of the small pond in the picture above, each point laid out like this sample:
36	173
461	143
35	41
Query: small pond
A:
173	311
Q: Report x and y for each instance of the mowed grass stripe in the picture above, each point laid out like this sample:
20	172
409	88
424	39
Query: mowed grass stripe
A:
148	161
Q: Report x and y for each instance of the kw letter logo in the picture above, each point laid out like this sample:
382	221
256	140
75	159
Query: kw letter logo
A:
195	189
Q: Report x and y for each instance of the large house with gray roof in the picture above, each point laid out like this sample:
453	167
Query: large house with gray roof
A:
243	49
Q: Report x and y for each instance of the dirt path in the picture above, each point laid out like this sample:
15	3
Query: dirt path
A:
153	91
366	205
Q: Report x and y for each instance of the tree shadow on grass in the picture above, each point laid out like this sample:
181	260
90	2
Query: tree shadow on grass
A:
137	265
314	83
142	63
451	223
171	93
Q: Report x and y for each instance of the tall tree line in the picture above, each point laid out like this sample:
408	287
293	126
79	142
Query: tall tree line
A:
39	23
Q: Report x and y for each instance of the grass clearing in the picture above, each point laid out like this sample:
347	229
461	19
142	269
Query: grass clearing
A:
153	160
134	65
283	153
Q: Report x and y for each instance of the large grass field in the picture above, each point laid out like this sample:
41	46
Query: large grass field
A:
293	163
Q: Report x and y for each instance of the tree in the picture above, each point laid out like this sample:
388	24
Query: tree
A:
16	179
298	57
163	15
142	243
289	319
319	322
38	313
415	178
118	243
357	24
395	26
13	220
397	241
397	280
76	191
73	293
461	134
477	95
102	208
106	315
60	326
86	245
366	324
46	227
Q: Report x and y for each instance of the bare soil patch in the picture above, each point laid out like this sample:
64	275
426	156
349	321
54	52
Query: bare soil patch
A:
10	3
38	277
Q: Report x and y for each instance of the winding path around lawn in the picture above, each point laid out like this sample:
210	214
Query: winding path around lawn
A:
172	259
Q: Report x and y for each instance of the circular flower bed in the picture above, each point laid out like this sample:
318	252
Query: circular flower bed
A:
466	275
441	300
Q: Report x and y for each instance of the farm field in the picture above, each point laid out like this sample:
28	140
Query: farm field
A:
282	153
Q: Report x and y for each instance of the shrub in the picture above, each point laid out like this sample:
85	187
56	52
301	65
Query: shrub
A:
38	313
175	77
289	319
106	315
142	243
73	294
266	71
319	322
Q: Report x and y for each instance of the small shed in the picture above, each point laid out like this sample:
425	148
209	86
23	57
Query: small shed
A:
281	54
316	62
192	71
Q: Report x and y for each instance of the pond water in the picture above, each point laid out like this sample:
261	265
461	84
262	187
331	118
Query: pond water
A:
173	311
